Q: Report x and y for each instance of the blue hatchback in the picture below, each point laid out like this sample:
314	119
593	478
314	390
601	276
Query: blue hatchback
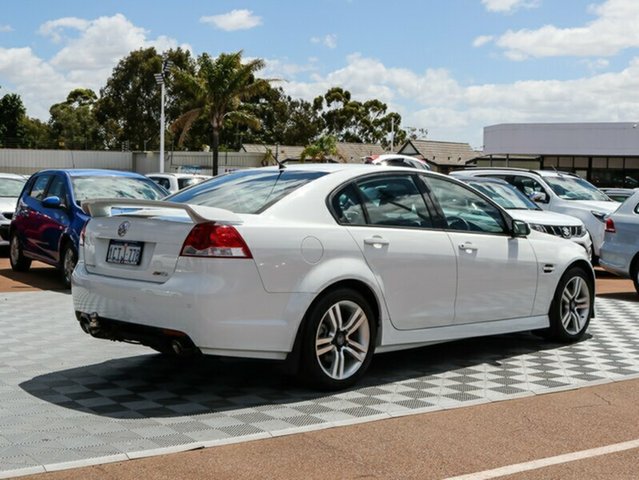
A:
49	219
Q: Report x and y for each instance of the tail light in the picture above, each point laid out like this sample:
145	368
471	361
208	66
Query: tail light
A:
610	226
212	240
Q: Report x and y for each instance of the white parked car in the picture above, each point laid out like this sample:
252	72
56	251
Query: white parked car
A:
175	182
521	208
620	250
323	265
396	160
10	188
559	192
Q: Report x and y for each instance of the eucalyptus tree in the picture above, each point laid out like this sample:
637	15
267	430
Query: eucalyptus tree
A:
217	91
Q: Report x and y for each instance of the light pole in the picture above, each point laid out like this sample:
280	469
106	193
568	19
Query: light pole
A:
159	79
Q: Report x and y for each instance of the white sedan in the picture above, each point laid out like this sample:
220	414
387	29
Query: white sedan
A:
323	265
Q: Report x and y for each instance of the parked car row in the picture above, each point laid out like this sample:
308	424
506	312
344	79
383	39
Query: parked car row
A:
340	261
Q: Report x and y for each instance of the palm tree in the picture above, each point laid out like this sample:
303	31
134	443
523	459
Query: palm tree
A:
216	91
321	149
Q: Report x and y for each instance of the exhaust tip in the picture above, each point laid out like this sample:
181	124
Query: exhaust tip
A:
177	347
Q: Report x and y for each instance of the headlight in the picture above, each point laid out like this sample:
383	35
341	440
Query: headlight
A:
539	228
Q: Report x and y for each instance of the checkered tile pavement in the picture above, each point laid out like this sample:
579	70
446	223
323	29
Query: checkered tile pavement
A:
68	400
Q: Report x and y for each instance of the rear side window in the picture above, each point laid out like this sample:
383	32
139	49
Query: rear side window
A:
250	191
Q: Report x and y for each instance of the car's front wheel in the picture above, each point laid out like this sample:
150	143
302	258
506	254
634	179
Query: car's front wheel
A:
19	263
67	264
339	340
571	307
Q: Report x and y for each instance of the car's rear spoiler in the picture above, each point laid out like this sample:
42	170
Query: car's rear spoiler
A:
101	207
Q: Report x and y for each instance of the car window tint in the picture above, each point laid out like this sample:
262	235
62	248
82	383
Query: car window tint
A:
39	187
187	182
250	191
526	185
394	200
464	209
348	207
162	181
58	188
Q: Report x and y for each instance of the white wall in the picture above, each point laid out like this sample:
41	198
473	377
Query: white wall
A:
583	139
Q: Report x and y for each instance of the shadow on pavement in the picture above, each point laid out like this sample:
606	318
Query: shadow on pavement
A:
628	296
39	277
148	386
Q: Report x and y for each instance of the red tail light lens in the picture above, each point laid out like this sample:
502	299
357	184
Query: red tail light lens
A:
211	240
610	226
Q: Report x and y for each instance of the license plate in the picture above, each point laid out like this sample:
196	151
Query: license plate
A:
124	253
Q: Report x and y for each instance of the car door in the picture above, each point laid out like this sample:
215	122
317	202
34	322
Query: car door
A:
412	259
55	220
496	273
29	219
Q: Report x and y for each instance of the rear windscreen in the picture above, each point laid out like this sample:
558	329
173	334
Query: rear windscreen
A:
248	191
87	188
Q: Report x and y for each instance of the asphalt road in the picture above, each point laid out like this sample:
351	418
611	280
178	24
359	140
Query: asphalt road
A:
589	433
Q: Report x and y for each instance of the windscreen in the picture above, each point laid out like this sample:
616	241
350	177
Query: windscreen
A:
250	191
88	188
574	188
505	196
11	187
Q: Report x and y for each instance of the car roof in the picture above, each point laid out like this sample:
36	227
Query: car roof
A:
177	174
93	172
469	178
12	176
541	173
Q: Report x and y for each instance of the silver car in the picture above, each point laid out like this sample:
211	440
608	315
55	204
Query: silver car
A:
620	250
10	188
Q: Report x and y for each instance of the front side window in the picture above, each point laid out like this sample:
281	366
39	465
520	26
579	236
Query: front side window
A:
249	191
189	181
163	182
527	186
394	200
505	195
465	210
88	188
58	189
39	187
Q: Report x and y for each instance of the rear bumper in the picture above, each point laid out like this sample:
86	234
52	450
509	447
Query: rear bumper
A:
615	259
219	304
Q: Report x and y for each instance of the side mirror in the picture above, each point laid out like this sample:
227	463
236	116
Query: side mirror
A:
520	229
540	197
52	202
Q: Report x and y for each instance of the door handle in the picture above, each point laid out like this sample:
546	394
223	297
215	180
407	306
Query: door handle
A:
468	247
376	241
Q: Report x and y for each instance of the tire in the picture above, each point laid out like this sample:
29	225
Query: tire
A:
338	340
19	263
571	308
634	273
68	261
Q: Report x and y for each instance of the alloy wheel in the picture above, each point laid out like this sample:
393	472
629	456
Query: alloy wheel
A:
574	308
342	340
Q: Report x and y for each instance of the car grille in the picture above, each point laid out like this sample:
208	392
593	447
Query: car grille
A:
564	231
7	215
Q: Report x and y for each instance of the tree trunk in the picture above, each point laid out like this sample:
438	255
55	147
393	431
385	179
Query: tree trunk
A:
216	146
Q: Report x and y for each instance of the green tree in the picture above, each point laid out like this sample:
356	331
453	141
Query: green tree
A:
217	91
12	114
37	133
73	124
324	147
129	104
360	122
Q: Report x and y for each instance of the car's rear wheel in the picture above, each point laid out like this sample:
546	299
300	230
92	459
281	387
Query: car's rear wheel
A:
571	307
19	263
634	273
67	264
339	340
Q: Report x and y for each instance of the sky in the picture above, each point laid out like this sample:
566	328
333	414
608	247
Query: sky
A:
451	67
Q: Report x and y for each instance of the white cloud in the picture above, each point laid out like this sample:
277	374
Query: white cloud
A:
614	30
6	28
508	6
329	41
482	40
233	20
435	100
89	51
